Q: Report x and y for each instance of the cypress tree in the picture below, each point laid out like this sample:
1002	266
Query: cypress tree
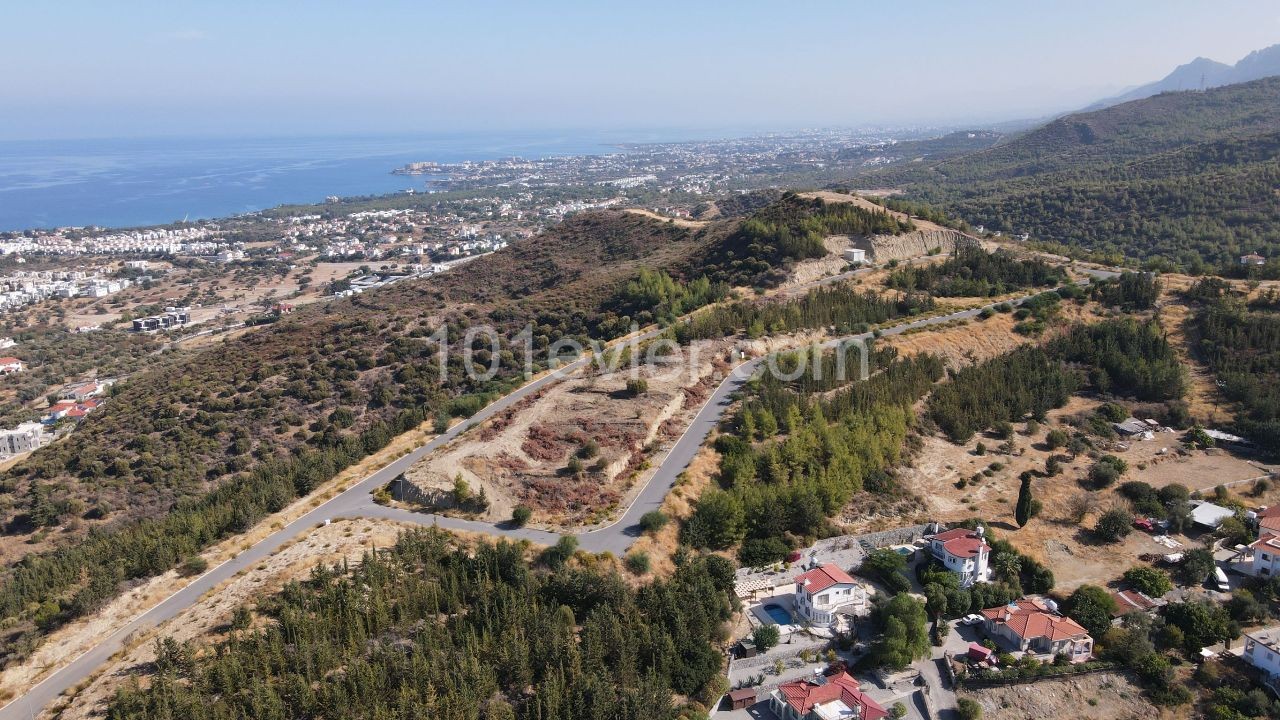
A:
1022	512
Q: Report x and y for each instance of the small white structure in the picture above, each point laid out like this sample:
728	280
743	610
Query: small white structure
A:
964	552
1262	650
1206	514
825	590
1134	428
855	255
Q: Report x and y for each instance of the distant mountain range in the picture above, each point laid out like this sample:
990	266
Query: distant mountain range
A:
1203	73
1189	179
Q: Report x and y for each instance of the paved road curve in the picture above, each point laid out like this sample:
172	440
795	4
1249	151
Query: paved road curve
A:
356	501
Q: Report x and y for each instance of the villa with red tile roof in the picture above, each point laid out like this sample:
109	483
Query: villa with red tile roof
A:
1030	625
1265	552
824	698
964	552
825	590
11	365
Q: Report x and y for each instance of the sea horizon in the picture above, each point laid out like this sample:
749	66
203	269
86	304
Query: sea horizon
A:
138	182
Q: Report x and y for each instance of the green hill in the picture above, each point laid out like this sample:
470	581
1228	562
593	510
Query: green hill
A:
1187	178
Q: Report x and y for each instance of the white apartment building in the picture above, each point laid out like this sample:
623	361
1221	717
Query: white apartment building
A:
24	438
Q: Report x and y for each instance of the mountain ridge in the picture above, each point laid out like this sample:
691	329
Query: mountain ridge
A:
1201	74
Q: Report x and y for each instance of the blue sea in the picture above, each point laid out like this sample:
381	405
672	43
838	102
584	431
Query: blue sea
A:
133	182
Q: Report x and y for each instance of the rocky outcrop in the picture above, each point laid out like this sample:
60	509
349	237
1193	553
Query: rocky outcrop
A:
939	241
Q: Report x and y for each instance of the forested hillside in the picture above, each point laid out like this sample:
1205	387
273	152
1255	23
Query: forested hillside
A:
800	450
206	446
1242	344
1189	179
973	272
425	630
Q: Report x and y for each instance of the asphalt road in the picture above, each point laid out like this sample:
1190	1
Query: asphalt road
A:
357	501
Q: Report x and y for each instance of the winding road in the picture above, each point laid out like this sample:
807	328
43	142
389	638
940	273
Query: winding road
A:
357	502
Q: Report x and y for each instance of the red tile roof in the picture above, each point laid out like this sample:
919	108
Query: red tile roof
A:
961	542
1270	522
980	652
803	695
1266	512
9	361
1128	601
821	578
1266	541
1030	618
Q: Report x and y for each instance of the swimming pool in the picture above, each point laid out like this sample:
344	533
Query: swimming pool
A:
778	614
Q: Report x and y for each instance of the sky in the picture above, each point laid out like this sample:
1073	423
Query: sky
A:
87	68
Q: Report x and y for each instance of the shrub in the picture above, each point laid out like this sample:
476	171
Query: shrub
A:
194	565
638	563
1056	439
637	387
1091	606
968	709
766	637
1148	580
653	521
520	515
1113	525
589	449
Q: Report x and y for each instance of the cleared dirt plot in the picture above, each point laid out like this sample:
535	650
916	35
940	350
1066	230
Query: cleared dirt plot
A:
574	452
1105	696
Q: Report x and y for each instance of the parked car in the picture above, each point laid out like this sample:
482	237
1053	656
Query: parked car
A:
1143	523
972	619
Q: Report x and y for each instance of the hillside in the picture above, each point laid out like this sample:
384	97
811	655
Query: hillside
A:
206	445
1189	178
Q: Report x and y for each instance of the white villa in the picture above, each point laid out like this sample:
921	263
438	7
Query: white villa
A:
825	590
1262	650
964	552
1265	553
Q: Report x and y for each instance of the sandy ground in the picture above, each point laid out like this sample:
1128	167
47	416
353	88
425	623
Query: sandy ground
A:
963	344
678	222
73	639
343	539
1055	538
1105	696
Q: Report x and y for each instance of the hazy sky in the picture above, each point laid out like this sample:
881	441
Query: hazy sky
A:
88	68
